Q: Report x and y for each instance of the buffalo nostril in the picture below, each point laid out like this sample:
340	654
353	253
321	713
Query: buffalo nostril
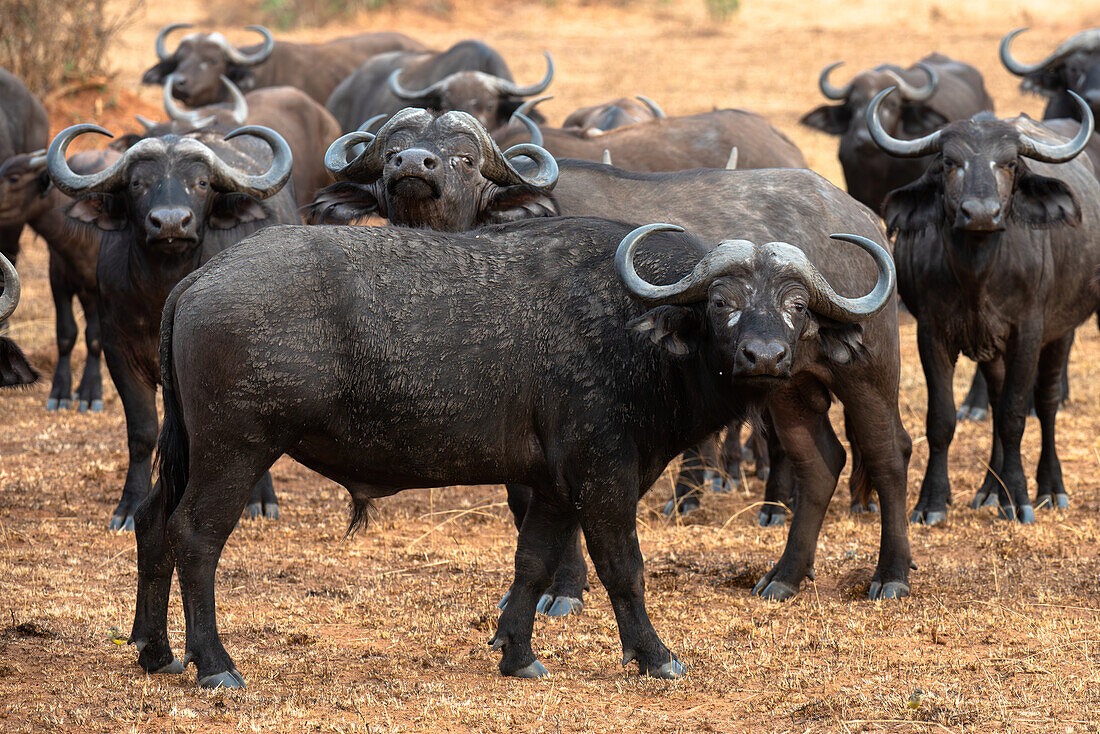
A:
429	163
749	354
397	161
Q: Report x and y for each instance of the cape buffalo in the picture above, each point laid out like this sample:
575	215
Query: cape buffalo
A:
597	119
26	197
562	368
1073	67
316	68
24	127
427	171
470	76
14	368
162	209
934	91
996	244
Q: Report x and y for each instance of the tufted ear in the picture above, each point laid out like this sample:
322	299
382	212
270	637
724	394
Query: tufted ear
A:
1045	82
159	71
675	328
918	205
231	210
512	203
1042	202
342	203
829	118
841	342
918	120
106	211
243	76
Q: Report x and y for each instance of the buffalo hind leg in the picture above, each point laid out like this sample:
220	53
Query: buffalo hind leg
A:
61	390
545	534
89	393
565	595
139	403
938	363
690	479
263	502
155	561
800	413
860	489
779	489
993	376
975	405
1048	395
1021	364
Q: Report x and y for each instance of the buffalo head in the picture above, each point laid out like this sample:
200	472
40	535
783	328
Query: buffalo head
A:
751	307
201	60
1073	67
490	99
979	178
598	119
168	191
24	184
442	172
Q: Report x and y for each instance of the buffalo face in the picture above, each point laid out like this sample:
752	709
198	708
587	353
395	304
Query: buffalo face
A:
440	172
194	72
1073	67
758	313
24	184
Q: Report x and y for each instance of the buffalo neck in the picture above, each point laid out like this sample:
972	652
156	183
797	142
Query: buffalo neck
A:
970	256
154	274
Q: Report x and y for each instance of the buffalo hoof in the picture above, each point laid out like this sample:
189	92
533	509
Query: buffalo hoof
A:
174	668
771	517
560	606
125	523
774	590
1024	514
1049	502
967	413
93	406
889	590
983	498
687	504
721	484
228	679
58	404
763	473
928	517
860	509
671	670
534	670
256	510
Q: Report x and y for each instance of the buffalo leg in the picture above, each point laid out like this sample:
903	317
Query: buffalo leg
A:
609	520
1021	364
975	405
1048	394
61	391
546	532
566	593
993	376
779	489
263	502
860	488
89	393
689	482
939	369
757	451
155	561
814	451
140	406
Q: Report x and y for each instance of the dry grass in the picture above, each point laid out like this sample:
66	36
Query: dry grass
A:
381	633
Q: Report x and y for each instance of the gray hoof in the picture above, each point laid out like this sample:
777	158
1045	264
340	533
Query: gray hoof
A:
983	499
271	512
869	509
890	590
1025	514
175	667
719	484
254	511
928	517
118	522
774	591
688	504
1061	501
51	404
228	679
1049	502
561	606
770	519
534	670
670	670
763	473
504	600
84	406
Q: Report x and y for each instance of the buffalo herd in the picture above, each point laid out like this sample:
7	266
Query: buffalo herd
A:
562	310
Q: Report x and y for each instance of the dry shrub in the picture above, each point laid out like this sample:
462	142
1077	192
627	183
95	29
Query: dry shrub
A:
53	44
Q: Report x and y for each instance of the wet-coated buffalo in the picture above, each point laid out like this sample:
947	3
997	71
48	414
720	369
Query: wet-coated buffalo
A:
934	91
706	140
1072	67
307	127
165	207
316	68
427	171
530	353
470	76
26	197
996	244
24	127
15	370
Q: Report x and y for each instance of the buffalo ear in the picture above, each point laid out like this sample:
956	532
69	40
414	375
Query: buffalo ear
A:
242	76
918	120
917	205
513	203
1044	82
507	105
841	342
231	210
157	73
43	183
342	203
829	118
1042	202
105	211
14	367
124	142
675	328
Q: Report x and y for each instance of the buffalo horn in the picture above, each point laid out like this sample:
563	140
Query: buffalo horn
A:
900	148
916	94
241	58
10	297
1084	41
1053	153
653	106
265	184
75	184
511	88
831	92
194	118
731	162
606	160
162	49
532	129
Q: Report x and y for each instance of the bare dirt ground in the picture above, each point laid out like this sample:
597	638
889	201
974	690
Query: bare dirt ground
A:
387	631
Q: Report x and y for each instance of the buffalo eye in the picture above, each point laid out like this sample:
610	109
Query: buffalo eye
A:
719	302
799	307
202	183
13	179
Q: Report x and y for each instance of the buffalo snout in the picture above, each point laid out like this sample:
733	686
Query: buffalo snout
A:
170	222
981	215
415	161
763	357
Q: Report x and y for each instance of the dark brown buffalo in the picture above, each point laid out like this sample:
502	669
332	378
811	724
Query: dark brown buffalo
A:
934	91
470	76
15	370
307	127
26	197
24	127
1072	67
316	68
706	140
597	119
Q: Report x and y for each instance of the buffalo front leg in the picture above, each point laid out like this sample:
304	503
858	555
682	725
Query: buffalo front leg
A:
544	535
938	363
779	489
993	375
690	479
263	502
1048	395
156	561
140	406
61	390
802	425
565	595
1021	365
89	393
975	405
